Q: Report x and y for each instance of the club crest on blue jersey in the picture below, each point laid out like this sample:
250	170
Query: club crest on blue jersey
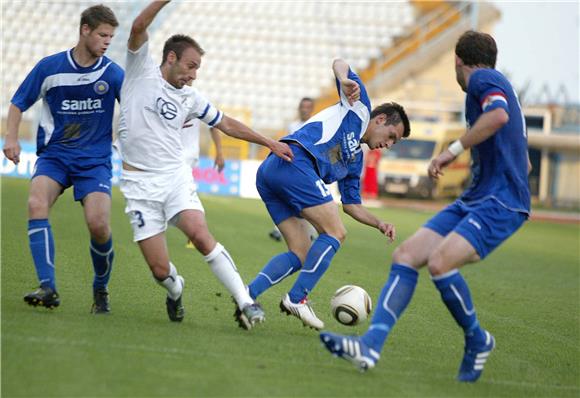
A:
101	87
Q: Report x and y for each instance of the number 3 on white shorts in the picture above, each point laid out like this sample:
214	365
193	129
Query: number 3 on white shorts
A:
323	189
138	218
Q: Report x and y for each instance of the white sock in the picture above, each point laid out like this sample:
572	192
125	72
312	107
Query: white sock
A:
173	283
225	270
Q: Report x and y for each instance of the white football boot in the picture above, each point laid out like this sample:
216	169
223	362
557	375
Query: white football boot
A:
302	311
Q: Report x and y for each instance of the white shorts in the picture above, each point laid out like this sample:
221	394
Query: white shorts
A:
154	199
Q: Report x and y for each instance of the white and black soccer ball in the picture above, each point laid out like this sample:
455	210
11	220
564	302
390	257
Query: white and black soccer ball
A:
351	305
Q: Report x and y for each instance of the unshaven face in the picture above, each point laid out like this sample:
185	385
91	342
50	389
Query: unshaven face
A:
184	70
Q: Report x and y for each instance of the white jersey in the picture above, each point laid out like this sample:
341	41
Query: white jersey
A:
153	113
190	141
295	125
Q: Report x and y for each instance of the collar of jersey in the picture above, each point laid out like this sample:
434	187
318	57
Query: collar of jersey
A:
75	65
166	83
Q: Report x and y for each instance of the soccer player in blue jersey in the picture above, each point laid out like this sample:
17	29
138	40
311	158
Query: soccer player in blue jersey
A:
78	88
326	149
492	209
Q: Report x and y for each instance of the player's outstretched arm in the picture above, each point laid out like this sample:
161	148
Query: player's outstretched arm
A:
349	87
362	215
219	162
11	145
141	23
237	129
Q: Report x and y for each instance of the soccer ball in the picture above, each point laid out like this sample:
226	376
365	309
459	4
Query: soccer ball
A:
351	305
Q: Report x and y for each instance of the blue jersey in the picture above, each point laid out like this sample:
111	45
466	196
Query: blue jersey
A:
500	163
333	137
77	106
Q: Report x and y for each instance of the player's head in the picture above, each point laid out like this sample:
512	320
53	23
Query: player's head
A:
96	29
473	50
181	60
389	123
305	108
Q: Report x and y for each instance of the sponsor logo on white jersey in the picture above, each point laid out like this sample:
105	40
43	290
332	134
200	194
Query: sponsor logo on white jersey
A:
81	105
167	109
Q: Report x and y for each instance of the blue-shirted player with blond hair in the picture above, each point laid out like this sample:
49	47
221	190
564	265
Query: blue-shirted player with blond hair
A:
327	148
78	88
492	209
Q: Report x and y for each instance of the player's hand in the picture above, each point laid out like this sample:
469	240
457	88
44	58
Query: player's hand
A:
388	230
12	149
219	162
351	90
282	150
437	165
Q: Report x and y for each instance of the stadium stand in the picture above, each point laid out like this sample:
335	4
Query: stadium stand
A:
262	56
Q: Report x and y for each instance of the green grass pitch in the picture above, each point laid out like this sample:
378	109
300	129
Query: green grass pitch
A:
526	293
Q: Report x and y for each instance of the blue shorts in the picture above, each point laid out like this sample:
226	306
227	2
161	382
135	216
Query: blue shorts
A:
84	179
288	187
484	224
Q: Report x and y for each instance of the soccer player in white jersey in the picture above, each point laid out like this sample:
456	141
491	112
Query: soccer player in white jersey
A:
327	149
78	88
157	183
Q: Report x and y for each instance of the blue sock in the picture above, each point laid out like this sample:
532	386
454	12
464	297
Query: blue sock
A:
277	269
102	255
394	298
42	249
317	261
455	294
